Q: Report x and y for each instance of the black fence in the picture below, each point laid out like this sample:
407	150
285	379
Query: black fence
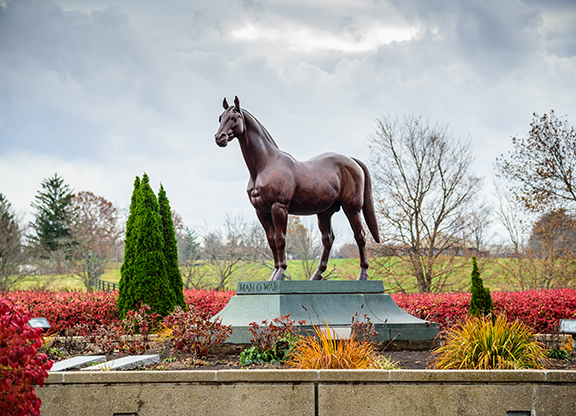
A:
104	286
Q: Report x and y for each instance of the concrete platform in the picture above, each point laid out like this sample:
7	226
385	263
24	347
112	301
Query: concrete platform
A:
77	362
125	363
320	302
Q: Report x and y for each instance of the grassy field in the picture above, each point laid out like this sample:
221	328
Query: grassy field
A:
65	282
459	281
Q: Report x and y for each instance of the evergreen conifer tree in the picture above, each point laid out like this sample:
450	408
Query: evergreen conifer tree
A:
481	301
124	292
53	217
170	248
147	282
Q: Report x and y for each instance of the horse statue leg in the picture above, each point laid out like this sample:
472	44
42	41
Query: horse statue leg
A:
359	236
268	226
279	213
325	226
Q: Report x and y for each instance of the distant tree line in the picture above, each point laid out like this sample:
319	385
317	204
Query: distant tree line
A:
430	212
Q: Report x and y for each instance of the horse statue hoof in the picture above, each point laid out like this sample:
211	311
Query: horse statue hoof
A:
363	275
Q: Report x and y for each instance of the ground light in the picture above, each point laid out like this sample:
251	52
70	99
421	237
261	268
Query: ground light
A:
39	323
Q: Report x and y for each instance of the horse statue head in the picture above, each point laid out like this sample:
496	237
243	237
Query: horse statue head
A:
231	123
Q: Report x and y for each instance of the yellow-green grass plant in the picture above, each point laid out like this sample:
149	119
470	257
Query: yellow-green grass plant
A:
385	363
480	343
325	351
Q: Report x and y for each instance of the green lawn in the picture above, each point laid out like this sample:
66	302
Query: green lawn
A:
65	282
491	270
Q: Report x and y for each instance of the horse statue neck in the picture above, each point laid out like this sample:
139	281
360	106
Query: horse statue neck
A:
258	147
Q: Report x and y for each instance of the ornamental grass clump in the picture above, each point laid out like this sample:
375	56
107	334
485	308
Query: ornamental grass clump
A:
481	343
324	351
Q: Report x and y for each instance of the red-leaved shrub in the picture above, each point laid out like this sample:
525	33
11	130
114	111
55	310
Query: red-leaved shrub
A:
67	310
21	367
540	310
131	336
193	332
207	302
266	335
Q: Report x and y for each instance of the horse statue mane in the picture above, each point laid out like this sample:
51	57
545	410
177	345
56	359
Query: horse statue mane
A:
251	119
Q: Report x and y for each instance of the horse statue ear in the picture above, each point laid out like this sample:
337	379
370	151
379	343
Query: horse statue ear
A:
225	104
237	103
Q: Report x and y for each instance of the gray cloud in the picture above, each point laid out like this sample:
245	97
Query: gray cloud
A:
102	91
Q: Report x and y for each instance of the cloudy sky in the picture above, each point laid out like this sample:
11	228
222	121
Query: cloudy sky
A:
100	91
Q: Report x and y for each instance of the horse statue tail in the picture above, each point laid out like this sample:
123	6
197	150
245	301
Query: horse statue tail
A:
368	208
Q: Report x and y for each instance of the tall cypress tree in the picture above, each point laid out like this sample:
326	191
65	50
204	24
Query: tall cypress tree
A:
481	301
147	280
170	248
126	270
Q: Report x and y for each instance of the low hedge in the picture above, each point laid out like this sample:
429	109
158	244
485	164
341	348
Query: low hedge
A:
539	309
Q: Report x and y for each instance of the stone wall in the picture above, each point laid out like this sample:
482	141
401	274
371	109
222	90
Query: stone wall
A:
310	393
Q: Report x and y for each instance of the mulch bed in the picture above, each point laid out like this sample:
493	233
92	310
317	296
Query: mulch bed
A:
405	359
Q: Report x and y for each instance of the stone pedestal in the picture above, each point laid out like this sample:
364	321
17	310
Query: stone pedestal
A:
320	302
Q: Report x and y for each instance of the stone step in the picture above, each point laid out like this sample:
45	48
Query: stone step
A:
126	363
77	362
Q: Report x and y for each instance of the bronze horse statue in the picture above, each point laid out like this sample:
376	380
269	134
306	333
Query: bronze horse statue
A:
280	185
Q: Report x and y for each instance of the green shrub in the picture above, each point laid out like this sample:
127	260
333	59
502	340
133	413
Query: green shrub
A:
144	275
170	248
481	343
558	354
253	355
481	301
126	270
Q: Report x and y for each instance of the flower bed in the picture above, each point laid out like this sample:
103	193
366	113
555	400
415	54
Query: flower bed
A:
539	309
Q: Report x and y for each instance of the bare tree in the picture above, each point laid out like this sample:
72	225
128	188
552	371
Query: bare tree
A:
542	167
552	247
13	254
543	250
479	221
189	252
509	215
426	195
303	243
235	252
95	235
